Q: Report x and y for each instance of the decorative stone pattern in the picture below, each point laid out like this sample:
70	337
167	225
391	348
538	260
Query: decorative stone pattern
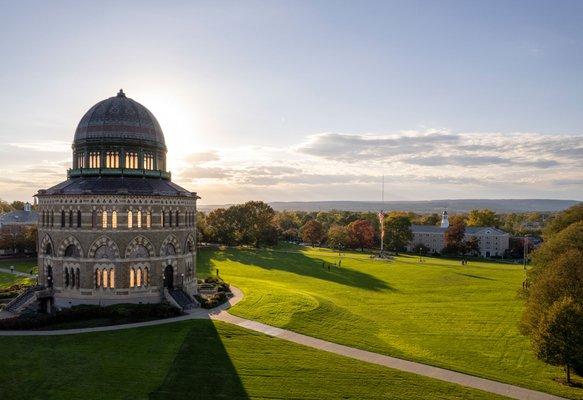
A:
89	249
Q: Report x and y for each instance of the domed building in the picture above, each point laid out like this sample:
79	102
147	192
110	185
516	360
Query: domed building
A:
117	230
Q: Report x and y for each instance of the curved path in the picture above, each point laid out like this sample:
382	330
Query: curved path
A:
219	313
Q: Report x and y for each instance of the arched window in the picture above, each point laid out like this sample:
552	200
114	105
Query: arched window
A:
78	218
130	220
177	218
94	219
131	160
111	278
66	277
149	219
170	250
112	159
72	251
139	218
104	219
70	218
148	161
80	160
48	249
94	161
139	277
146	276
132	277
78	276
114	219
169	218
104	279
97	278
62	218
73	279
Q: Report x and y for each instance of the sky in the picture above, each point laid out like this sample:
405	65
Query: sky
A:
307	100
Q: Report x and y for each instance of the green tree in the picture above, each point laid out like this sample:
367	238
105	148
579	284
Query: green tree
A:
472	246
562	220
220	226
361	234
338	237
5	206
397	231
312	232
483	217
17	205
558	339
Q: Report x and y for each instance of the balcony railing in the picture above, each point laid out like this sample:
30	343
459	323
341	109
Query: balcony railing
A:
77	172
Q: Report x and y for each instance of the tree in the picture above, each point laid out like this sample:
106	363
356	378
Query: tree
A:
286	220
17	205
291	235
558	339
361	234
454	235
256	223
219	227
338	237
312	232
5	206
397	232
472	246
562	220
25	240
483	217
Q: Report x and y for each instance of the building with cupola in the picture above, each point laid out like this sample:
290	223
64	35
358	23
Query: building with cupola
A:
117	230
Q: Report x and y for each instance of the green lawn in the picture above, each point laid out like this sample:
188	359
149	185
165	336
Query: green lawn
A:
197	360
463	318
7	280
20	264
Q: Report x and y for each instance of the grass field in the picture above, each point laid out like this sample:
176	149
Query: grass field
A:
439	312
197	360
7	280
20	264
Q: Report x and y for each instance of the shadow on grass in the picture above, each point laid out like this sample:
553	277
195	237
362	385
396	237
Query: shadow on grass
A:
202	369
477	277
293	262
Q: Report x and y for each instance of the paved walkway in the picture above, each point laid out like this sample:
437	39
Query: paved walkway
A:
220	314
16	272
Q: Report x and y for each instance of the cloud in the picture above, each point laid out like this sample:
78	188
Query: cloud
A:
202	157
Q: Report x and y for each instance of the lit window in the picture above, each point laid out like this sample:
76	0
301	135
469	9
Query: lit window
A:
114	219
139	277
148	219
132	277
94	161
130	220
148	161
146	277
112	159
112	278
104	219
162	218
139	216
104	278
80	160
131	160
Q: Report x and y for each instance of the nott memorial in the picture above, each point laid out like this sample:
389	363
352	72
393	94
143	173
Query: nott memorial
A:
117	230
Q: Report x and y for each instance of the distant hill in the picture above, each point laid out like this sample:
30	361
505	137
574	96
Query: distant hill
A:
429	206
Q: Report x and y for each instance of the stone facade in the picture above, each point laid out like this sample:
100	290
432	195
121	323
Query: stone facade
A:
117	230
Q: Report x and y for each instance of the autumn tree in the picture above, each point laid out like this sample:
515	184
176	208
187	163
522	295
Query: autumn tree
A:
220	226
483	217
562	220
338	237
17	205
397	232
558	338
361	233
454	235
312	232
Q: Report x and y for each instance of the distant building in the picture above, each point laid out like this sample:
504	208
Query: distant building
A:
493	242
13	223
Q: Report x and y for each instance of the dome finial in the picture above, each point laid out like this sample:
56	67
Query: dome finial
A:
121	93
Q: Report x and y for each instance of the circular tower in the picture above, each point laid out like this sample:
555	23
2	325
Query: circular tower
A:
118	230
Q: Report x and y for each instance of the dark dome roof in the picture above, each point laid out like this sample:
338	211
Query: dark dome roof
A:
122	118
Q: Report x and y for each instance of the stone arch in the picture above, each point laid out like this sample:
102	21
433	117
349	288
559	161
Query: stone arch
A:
189	243
104	241
46	241
133	247
170	239
67	242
